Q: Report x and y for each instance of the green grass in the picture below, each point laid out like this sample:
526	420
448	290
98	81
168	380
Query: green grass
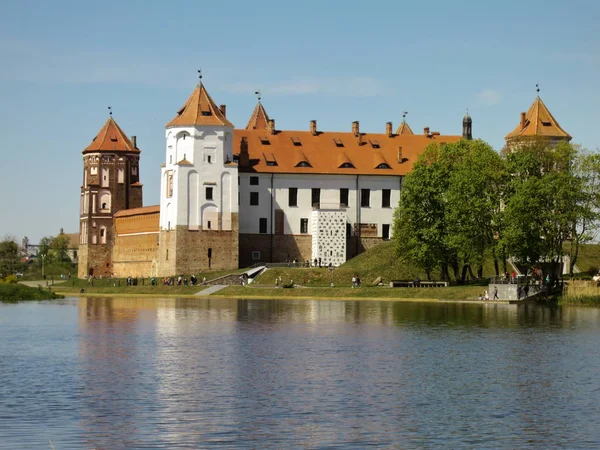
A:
10	292
589	257
379	261
111	286
373	292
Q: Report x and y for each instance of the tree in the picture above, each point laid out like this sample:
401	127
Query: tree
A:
58	248
551	198
449	208
9	256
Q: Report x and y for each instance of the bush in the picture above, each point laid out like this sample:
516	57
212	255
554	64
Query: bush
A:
11	279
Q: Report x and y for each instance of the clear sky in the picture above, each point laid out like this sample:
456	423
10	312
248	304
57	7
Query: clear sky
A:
62	63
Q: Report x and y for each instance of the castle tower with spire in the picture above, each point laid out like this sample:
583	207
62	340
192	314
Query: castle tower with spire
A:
110	184
199	190
537	121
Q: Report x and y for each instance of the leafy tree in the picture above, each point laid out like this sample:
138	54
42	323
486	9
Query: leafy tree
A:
44	247
449	208
58	248
9	256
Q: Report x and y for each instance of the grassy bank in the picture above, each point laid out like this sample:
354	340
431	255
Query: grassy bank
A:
581	293
10	292
366	293
75	287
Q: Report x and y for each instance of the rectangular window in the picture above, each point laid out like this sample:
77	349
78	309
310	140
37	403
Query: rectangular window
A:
344	192
385	198
303	226
255	255
208	224
365	198
348	231
262	225
385	231
254	198
209	158
209	193
293	196
315	197
253	181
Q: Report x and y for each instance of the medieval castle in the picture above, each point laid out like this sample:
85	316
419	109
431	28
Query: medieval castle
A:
231	197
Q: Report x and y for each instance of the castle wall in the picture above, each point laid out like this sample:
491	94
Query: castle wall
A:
135	252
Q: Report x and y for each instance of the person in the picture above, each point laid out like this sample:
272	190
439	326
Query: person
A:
203	280
353	281
496	293
241	280
276	282
480	297
518	292
526	290
486	295
316	262
357	281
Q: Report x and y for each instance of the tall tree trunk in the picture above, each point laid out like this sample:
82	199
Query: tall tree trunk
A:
466	267
471	272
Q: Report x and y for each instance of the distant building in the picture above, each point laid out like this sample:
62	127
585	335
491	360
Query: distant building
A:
233	197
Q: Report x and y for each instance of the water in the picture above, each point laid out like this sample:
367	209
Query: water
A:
186	373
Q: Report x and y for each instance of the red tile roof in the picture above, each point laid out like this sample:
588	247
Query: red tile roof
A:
259	119
111	138
404	129
135	211
326	152
199	109
539	122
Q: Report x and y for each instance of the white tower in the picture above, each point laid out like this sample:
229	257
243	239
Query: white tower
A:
199	190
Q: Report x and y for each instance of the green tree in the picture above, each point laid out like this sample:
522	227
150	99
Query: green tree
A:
449	208
9	256
58	248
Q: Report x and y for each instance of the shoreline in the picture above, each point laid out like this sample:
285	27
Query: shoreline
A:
281	297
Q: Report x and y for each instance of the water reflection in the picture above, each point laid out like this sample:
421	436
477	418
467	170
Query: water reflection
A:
191	373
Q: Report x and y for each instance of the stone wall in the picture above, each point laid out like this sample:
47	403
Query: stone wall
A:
135	255
286	247
167	253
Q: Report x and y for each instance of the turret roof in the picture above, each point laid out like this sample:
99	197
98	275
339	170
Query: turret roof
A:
259	118
539	122
404	129
111	138
199	109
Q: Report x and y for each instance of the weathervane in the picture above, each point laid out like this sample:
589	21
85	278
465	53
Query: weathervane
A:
258	94
404	113
537	88
110	110
200	76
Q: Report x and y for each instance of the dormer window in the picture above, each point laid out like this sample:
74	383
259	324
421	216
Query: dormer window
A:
347	165
264	140
296	141
303	164
374	143
546	124
205	110
383	166
338	142
270	160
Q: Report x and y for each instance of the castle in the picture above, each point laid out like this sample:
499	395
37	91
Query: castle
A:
231	197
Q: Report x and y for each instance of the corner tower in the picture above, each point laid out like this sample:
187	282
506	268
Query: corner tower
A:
110	184
199	190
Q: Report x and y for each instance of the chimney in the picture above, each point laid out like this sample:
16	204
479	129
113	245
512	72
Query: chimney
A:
244	160
355	128
523	120
400	158
426	131
223	109
359	139
134	141
313	127
388	129
271	126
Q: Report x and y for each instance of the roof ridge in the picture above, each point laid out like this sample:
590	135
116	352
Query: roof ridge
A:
191	113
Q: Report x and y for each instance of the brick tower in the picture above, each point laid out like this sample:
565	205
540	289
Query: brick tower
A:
199	190
110	184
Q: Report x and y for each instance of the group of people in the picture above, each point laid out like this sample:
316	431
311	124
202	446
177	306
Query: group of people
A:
182	281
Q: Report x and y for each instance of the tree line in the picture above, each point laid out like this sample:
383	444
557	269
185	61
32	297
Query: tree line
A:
14	256
464	203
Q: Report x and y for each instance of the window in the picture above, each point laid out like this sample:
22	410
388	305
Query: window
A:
347	165
303	164
383	166
385	231
262	225
271	163
103	205
296	141
546	124
344	196
209	193
348	231
385	198
209	159
374	143
253	181
254	198
365	198
264	140
338	142
170	184
303	226
293	196
256	255
208	224
315	197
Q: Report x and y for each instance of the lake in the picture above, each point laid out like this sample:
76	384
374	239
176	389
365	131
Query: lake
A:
149	373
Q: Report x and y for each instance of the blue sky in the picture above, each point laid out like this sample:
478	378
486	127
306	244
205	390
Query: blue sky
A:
64	62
